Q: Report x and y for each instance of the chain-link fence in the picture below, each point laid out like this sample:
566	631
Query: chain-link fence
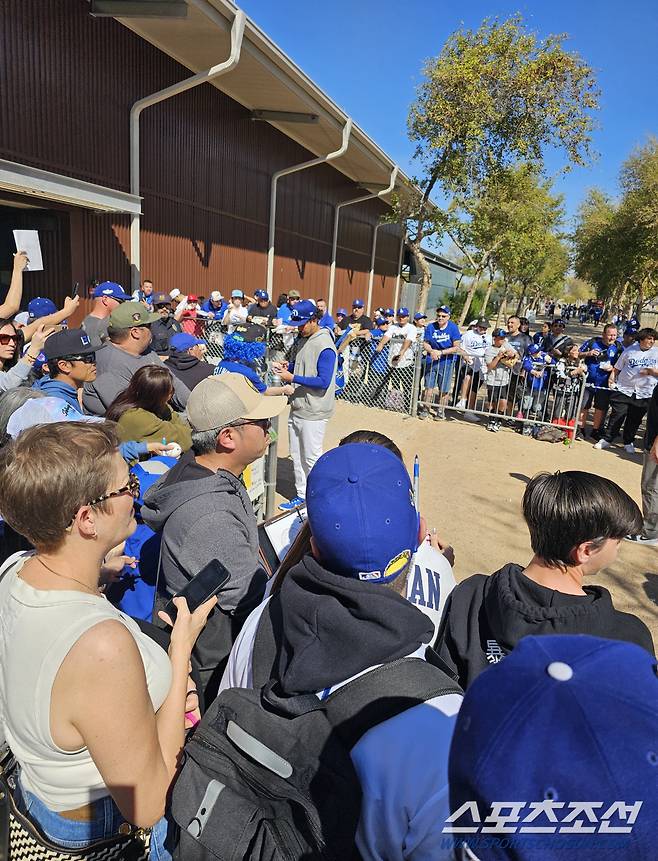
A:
379	374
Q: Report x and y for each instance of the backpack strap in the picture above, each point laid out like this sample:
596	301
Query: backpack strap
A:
384	693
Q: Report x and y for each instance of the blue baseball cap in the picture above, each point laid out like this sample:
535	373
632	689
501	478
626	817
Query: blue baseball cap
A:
341	312
361	512
303	311
629	329
182	341
40	307
382	321
358	303
420	316
44	411
390	312
261	294
112	290
499	333
562	718
403	312
443	309
533	349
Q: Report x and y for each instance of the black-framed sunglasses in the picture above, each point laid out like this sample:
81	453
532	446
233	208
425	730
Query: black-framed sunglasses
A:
88	358
7	339
131	487
263	424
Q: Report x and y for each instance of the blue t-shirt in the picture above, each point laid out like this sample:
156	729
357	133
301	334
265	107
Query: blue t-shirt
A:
596	376
226	367
284	313
215	313
442	339
378	361
327	322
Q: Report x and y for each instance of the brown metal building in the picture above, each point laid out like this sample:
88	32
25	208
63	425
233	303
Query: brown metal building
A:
69	81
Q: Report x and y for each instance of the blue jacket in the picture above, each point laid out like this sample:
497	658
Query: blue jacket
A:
59	389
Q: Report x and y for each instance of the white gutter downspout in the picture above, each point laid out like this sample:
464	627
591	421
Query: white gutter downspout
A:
371	274
347	130
334	243
237	32
397	280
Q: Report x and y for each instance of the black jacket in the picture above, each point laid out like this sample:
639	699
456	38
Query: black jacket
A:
321	629
187	368
485	617
162	332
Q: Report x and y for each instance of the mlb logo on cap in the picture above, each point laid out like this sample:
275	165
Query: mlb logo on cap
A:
358	303
302	313
261	294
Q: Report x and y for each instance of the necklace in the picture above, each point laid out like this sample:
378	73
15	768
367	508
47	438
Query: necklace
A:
65	577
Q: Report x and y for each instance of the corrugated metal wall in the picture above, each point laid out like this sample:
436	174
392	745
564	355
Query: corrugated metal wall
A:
68	83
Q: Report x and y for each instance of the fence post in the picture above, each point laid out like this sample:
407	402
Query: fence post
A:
416	382
579	409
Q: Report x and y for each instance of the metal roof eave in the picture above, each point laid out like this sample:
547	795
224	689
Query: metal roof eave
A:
282	71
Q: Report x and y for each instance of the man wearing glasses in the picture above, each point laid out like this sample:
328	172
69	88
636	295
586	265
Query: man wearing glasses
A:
71	360
203	511
441	345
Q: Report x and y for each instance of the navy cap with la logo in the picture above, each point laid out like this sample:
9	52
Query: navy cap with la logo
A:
69	342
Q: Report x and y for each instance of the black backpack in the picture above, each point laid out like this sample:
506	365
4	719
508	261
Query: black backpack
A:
269	777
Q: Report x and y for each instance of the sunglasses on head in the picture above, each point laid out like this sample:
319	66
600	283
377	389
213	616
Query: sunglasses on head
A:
7	339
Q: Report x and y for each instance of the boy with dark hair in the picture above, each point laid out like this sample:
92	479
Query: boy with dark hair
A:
576	522
71	359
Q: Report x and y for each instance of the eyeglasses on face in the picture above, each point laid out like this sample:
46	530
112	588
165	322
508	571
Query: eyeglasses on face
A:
263	424
443	316
131	487
7	339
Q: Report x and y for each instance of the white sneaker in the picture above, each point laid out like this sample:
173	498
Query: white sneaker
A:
471	416
630	448
640	539
461	404
601	444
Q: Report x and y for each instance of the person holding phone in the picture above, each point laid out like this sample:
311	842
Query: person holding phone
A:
92	708
203	510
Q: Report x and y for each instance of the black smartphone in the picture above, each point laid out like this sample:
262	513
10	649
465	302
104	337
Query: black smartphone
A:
76	289
207	583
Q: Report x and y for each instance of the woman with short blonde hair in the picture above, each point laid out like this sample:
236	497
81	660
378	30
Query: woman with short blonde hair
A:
92	709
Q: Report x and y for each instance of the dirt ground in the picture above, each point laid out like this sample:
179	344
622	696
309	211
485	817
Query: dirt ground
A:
472	482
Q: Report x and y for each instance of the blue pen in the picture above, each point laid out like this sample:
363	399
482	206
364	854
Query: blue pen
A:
417	483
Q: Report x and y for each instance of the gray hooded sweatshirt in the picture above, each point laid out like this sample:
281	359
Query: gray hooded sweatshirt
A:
205	516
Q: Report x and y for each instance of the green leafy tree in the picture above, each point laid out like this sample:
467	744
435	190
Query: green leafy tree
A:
493	97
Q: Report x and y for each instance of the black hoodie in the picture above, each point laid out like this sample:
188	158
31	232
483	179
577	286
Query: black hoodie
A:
321	629
485	617
187	368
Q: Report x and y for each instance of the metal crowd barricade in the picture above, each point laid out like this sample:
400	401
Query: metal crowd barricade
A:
542	395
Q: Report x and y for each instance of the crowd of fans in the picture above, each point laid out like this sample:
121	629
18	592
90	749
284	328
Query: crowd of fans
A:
355	699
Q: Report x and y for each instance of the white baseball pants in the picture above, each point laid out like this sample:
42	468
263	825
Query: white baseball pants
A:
305	439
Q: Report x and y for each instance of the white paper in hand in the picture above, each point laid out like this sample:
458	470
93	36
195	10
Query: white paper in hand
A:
28	241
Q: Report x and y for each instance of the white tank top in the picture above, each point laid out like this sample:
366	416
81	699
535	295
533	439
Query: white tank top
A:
37	630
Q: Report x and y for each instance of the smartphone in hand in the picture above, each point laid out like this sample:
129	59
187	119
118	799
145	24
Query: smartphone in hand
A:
203	586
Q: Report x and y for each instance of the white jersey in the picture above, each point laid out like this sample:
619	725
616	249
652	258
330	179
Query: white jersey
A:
408	332
633	360
475	344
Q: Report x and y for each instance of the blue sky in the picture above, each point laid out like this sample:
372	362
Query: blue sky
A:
367	55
